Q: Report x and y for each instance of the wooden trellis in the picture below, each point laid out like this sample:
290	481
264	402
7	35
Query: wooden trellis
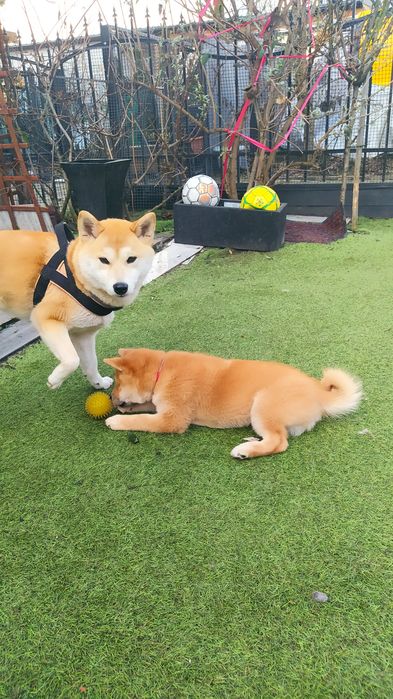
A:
16	182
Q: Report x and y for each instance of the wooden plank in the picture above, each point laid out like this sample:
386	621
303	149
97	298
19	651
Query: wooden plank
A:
161	240
28	220
15	337
4	317
24	207
20	178
173	255
11	146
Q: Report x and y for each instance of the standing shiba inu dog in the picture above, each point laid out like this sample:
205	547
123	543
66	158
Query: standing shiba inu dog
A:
189	388
108	262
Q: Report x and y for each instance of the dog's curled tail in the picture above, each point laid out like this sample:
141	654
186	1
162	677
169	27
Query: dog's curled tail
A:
341	393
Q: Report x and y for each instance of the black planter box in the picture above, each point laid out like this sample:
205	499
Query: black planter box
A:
97	186
226	226
321	198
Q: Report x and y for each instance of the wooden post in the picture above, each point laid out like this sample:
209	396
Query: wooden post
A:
358	154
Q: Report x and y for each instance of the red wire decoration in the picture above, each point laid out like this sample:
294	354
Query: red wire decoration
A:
235	131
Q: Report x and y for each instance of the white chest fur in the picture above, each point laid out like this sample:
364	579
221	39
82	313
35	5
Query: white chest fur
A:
83	318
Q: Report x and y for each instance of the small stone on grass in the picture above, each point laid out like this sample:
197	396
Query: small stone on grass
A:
365	433
320	597
133	438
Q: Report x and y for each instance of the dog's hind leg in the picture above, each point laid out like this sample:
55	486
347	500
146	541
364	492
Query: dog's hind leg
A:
85	345
266	422
55	335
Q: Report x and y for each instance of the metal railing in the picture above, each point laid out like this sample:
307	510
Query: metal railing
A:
92	97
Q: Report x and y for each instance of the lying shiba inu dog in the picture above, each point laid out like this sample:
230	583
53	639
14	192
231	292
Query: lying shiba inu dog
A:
188	388
105	265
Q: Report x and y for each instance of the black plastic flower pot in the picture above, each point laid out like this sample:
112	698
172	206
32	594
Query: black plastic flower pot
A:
97	186
228	226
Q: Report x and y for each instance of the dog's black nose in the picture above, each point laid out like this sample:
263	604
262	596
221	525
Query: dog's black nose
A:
120	288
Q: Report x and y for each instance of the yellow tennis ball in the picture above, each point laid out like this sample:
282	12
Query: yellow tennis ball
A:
260	197
98	405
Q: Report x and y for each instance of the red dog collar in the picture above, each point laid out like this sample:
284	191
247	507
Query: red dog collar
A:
158	374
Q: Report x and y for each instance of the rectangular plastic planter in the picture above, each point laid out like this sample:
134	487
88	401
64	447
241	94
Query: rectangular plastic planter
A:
229	226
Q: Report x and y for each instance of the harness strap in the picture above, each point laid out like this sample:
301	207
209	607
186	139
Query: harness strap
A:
64	232
50	273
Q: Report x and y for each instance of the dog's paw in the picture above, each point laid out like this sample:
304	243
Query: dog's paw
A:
240	452
116	422
52	383
244	451
103	382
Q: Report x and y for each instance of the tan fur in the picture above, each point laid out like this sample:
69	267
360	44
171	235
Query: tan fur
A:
67	328
276	399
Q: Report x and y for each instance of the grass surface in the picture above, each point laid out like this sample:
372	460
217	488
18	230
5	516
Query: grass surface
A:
164	226
167	570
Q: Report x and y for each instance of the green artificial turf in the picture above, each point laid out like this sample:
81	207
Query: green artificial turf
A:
164	569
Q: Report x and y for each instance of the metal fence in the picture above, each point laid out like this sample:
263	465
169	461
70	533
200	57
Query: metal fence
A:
88	98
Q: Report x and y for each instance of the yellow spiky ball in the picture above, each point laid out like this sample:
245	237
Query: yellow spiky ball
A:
98	405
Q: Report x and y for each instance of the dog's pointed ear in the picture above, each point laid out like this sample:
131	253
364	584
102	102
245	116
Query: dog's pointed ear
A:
115	362
88	226
145	228
122	351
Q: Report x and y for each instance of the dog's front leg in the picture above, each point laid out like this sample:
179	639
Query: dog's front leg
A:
85	345
161	422
55	335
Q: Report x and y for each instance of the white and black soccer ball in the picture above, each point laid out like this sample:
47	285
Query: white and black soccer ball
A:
201	190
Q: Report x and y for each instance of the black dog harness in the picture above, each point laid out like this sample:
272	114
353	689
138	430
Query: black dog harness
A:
50	273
